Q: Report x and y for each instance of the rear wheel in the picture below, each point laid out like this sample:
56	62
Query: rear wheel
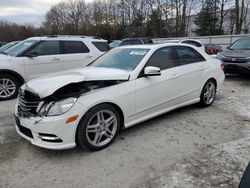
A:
9	86
98	127
208	93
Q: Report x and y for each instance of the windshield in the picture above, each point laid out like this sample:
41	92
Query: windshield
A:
7	46
121	58
242	44
20	47
115	44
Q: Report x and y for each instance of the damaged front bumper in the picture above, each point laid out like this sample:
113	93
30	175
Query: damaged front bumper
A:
50	132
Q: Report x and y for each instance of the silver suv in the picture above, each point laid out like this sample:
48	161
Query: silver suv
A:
39	56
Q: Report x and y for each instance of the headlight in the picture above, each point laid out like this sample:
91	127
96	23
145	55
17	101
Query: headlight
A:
220	56
55	108
61	107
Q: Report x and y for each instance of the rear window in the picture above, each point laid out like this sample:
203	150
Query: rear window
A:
74	47
102	46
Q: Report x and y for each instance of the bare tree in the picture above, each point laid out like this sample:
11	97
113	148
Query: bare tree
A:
223	13
241	11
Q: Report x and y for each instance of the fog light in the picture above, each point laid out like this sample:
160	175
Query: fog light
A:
71	119
49	137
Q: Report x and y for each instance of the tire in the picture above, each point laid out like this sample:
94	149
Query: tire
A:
95	130
9	86
208	93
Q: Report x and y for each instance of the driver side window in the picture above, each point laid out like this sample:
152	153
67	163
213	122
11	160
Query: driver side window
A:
162	58
46	48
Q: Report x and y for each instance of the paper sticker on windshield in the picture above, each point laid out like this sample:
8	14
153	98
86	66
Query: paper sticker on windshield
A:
28	43
138	52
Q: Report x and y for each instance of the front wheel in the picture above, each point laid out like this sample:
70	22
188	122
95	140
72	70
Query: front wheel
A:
98	127
9	86
208	93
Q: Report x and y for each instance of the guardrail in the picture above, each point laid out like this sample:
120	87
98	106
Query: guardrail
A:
221	40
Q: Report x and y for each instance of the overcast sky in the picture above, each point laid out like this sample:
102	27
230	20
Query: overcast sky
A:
25	11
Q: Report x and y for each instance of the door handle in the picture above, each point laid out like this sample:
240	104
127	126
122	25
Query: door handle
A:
56	59
173	76
89	56
202	67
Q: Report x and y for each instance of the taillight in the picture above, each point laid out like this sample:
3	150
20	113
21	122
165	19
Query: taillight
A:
222	66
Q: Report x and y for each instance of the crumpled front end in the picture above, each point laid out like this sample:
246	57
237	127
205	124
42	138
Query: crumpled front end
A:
51	132
51	122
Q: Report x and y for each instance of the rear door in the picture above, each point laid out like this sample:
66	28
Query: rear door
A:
48	59
76	54
192	65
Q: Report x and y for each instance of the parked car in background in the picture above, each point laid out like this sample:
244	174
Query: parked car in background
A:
236	59
212	49
7	46
124	87
2	43
131	41
115	43
39	56
193	42
135	41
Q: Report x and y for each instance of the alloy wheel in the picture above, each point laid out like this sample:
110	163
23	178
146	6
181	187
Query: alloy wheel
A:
101	128
7	88
209	93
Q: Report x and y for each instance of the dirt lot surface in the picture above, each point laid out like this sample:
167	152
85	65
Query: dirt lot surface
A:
189	147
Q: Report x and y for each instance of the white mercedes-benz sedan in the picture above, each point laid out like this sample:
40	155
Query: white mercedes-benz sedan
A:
124	87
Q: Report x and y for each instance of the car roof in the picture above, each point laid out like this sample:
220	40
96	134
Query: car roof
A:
196	40
69	37
172	41
155	46
140	38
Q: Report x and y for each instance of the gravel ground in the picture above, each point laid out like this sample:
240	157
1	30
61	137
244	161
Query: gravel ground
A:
189	147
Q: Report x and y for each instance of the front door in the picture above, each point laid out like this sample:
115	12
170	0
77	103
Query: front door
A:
155	94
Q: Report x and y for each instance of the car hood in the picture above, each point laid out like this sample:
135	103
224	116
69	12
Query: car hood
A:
5	58
236	53
47	85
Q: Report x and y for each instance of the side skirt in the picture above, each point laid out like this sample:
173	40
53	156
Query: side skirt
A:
129	124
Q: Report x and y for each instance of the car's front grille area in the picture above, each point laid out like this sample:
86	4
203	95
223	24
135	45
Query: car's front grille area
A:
27	104
234	69
235	60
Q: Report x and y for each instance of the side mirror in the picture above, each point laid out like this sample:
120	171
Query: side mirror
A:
152	71
228	47
31	54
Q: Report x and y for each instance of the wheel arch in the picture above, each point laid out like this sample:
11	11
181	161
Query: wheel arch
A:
116	106
13	73
212	79
119	110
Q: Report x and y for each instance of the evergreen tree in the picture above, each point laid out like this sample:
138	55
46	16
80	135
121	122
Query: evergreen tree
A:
155	24
137	25
207	21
